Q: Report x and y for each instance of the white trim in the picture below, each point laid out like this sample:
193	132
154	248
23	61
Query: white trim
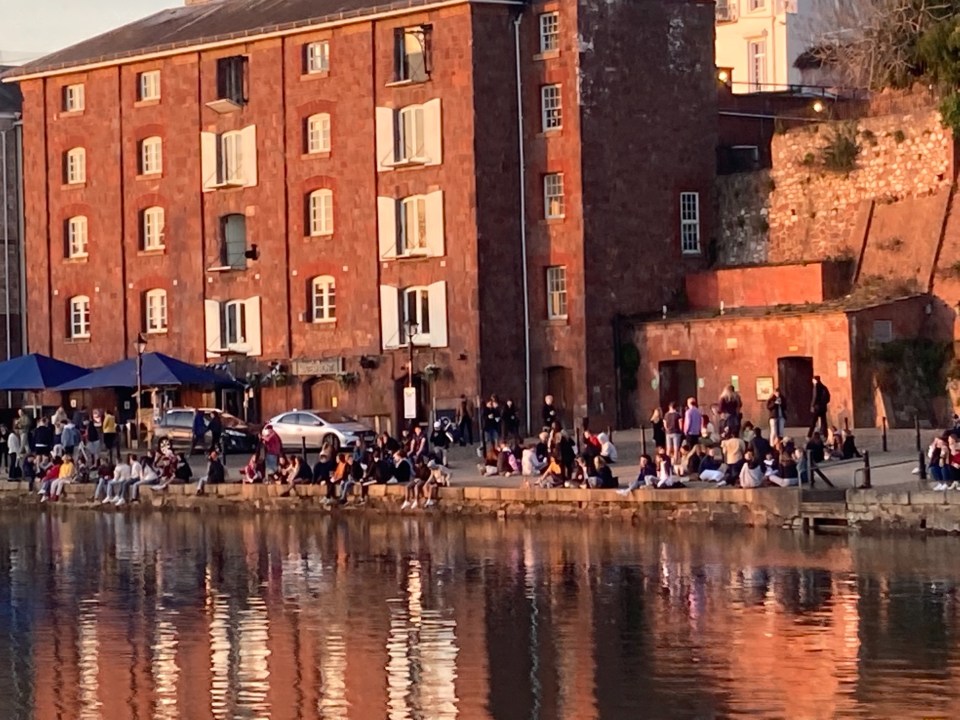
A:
155	304
242	39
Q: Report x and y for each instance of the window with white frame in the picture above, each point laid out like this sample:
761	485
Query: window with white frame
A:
323	299
690	222
317	57
78	323
148	86
231	158
411	54
551	107
318	133
757	63
234	322
757	5
413	225
549	32
76	244
557	292
320	212
75	166
73	98
151	156
416	315
152	223
553	201
411	134
155	311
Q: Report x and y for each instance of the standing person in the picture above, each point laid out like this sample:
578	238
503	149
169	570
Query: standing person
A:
673	433
658	425
110	434
550	413
511	422
70	438
272	449
13	455
216	430
23	424
92	439
491	422
199	430
777	407
819	407
729	409
464	421
59	420
692	425
4	454
43	439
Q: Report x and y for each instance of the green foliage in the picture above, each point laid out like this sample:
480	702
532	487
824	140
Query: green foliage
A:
915	369
808	159
950	112
841	151
899	136
869	136
938	53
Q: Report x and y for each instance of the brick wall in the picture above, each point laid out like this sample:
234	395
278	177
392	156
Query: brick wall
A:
762	286
9	234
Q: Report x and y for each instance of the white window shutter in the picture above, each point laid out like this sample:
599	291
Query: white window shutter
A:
211	317
208	160
389	316
433	132
254	339
438	314
387	227
248	155
434	208
386	152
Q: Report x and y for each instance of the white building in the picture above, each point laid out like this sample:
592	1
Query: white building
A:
759	41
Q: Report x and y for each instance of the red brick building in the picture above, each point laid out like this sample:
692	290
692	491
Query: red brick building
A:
298	187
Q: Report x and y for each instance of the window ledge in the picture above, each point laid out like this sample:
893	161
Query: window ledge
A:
552	132
316	75
70	113
154	333
547	55
422	255
406	164
78	340
402	83
147	103
224	269
692	253
559	220
324	155
77	258
319	237
558	321
150	175
224	105
74	186
331	323
162	250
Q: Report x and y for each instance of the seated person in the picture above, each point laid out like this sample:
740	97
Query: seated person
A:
666	478
848	446
646	476
751	472
507	464
787	474
252	472
712	468
439	477
690	459
608	451
604	479
733	448
553	475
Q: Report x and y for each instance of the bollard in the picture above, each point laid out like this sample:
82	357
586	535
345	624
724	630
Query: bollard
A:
303	445
643	439
923	471
916	424
866	470
883	436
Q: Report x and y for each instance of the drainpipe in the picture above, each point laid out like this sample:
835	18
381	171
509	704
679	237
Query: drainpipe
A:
6	245
523	223
21	240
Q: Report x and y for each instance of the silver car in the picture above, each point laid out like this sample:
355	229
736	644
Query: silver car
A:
316	427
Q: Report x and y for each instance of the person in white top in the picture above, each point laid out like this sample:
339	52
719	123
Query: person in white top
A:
148	476
608	451
13	451
125	475
530	464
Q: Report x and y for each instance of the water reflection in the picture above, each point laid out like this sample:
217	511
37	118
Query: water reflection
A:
182	616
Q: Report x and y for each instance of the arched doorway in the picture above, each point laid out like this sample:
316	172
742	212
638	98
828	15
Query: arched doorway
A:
424	401
321	393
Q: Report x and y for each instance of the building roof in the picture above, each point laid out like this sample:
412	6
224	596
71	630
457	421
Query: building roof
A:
10	98
211	22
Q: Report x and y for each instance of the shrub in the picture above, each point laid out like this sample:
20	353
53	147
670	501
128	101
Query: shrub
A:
841	151
950	112
899	136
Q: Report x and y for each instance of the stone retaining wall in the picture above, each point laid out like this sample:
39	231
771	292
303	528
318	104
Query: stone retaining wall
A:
914	510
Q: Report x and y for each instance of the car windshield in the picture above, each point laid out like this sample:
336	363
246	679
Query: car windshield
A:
332	416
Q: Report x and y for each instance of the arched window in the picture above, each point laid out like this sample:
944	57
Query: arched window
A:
318	133
76	241
155	311
152	228
323	305
320	207
151	156
75	166
78	323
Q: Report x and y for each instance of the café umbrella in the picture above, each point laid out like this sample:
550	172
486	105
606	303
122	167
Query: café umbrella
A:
159	370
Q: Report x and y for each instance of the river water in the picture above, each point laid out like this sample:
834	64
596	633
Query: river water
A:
292	616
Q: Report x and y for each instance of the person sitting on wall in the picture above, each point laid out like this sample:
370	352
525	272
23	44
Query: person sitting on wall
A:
646	476
604	479
733	448
216	473
439	477
751	471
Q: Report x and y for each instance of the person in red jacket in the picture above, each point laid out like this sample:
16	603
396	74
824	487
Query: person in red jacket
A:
272	450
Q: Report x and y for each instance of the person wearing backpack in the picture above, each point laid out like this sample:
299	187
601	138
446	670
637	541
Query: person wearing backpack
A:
819	406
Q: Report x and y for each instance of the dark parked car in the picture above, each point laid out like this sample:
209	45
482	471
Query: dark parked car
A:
176	429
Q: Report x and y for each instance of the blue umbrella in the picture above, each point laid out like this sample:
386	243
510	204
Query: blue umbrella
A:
158	370
37	372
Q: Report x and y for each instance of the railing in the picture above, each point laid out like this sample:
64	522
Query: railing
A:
727	12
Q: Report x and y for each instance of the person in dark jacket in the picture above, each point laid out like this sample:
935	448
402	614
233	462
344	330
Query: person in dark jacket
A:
216	430
819	406
511	421
550	414
491	422
777	407
43	437
216	473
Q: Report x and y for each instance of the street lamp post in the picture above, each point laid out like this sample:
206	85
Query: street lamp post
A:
412	329
141	346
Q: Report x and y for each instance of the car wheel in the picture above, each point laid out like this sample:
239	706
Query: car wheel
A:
164	445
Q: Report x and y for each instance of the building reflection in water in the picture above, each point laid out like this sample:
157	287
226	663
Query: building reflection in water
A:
181	616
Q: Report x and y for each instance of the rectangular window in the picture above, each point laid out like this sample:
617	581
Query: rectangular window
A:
234	324
231	79
757	5
413	225
317	57
75	166
233	229
156	311
757	64
557	292
411	47
416	316
80	317
153	222
549	32
553	202
882	331
77	237
411	134
321	213
151	156
324	300
148	86
73	100
690	222
231	158
318	133
551	108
